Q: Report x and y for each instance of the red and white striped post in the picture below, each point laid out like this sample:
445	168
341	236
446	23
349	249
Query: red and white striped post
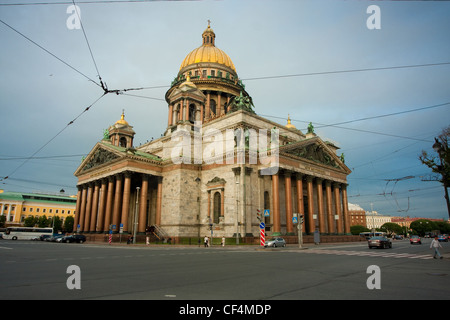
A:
262	237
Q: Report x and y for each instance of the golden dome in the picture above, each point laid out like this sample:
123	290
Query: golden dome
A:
122	120
289	125
208	52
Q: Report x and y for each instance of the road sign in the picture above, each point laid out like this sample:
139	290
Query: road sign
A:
262	225
262	238
266	213
294	220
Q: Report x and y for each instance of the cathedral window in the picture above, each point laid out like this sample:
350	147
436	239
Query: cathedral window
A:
192	113
212	107
123	142
217	206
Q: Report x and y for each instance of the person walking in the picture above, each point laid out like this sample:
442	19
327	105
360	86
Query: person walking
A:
436	245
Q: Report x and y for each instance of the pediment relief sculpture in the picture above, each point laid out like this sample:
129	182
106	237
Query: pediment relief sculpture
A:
314	152
100	157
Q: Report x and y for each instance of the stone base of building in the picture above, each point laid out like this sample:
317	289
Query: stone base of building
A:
142	239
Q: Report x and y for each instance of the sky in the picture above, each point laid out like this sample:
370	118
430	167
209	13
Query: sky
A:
380	94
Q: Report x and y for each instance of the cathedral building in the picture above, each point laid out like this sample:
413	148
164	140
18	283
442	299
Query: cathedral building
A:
216	167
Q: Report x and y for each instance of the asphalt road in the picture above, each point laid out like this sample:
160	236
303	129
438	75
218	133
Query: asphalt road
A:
41	270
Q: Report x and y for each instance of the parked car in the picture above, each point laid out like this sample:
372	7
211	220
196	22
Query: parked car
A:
415	239
442	237
54	238
44	236
79	238
379	242
275	242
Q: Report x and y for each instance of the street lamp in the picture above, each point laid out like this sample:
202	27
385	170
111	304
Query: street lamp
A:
439	148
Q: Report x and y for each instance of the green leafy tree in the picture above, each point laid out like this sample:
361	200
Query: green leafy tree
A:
443	227
68	224
30	221
57	224
43	221
356	230
423	225
390	227
2	221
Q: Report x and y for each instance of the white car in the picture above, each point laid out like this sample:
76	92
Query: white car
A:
275	242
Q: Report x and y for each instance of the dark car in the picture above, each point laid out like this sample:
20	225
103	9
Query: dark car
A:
79	238
379	242
442	237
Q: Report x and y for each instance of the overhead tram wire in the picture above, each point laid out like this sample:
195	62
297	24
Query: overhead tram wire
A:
50	53
345	71
43	146
84	2
121	91
337	125
103	85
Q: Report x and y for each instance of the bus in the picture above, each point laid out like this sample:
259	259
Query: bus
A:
368	235
25	233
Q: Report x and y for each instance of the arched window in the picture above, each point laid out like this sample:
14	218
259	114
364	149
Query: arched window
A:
123	142
212	107
192	113
217	206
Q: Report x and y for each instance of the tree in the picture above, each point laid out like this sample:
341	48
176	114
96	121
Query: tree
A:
68	224
43	221
390	227
356	230
423	225
57	224
443	227
30	221
2	221
440	164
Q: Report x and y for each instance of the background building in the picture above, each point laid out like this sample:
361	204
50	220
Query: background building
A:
357	215
376	220
17	206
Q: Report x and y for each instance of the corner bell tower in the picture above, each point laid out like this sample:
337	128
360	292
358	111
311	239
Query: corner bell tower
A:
121	133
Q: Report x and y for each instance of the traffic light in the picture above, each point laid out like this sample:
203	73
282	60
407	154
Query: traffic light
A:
300	219
258	215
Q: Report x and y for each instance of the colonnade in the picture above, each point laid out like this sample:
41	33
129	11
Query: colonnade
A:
214	106
110	202
326	207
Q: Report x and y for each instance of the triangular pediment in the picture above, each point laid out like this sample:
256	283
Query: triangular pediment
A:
99	155
314	150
